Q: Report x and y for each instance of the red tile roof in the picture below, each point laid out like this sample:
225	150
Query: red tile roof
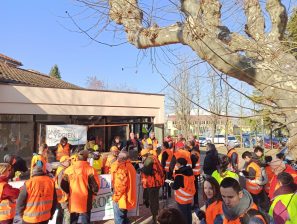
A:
10	60
14	75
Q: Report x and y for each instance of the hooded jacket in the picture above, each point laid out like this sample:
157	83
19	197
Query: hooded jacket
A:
233	215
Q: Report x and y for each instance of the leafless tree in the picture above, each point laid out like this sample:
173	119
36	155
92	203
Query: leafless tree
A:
94	83
215	102
255	55
179	98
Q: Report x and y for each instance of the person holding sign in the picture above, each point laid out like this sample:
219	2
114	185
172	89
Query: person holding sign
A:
63	148
123	180
81	182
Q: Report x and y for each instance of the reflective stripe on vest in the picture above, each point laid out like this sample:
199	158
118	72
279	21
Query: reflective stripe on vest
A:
253	188
196	169
185	195
40	199
168	161
7	208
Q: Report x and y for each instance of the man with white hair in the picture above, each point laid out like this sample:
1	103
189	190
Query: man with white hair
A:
233	155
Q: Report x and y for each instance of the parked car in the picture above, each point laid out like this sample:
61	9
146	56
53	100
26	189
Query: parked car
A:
218	139
267	142
202	141
233	139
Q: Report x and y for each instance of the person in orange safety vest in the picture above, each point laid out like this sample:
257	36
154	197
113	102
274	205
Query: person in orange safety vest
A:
37	200
237	202
63	148
233	155
123	179
84	177
63	215
254	181
184	188
110	159
8	195
165	158
152	178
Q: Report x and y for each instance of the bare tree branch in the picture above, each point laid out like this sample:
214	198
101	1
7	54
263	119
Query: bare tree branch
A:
279	18
255	21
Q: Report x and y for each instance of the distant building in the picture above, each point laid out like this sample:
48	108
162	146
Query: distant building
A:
203	125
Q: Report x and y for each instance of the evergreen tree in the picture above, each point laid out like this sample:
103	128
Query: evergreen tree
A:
55	72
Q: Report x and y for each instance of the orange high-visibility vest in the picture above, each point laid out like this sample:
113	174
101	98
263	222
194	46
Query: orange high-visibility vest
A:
196	169
62	151
107	161
7	207
78	175
256	167
229	154
155	180
168	161
181	153
123	176
40	191
34	160
185	195
214	210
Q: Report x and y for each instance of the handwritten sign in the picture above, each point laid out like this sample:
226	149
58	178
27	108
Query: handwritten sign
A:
76	134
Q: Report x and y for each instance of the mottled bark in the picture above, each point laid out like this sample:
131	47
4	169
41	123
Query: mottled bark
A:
258	58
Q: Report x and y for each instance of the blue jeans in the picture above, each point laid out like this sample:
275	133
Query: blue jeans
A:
186	210
120	215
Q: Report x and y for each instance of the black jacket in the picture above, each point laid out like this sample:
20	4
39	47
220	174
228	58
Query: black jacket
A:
210	162
179	179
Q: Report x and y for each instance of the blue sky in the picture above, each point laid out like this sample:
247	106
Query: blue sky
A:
38	33
35	33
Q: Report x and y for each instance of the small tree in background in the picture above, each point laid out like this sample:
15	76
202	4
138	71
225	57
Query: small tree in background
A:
94	83
55	72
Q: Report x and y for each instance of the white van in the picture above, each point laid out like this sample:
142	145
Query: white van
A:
218	139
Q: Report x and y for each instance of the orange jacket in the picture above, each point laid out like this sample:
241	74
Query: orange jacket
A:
196	169
253	188
79	183
157	177
184	195
270	175
7	207
168	161
40	199
62	151
123	176
35	159
214	211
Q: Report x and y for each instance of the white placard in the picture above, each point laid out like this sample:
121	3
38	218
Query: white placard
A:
76	134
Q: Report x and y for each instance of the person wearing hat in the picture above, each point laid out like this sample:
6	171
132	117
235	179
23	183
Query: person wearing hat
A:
63	215
110	159
233	155
8	195
184	187
81	182
40	159
91	144
152	178
123	181
37	201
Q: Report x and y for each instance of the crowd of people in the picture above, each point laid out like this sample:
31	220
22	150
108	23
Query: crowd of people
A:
262	191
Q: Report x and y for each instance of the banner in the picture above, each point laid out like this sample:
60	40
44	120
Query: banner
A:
102	203
76	134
